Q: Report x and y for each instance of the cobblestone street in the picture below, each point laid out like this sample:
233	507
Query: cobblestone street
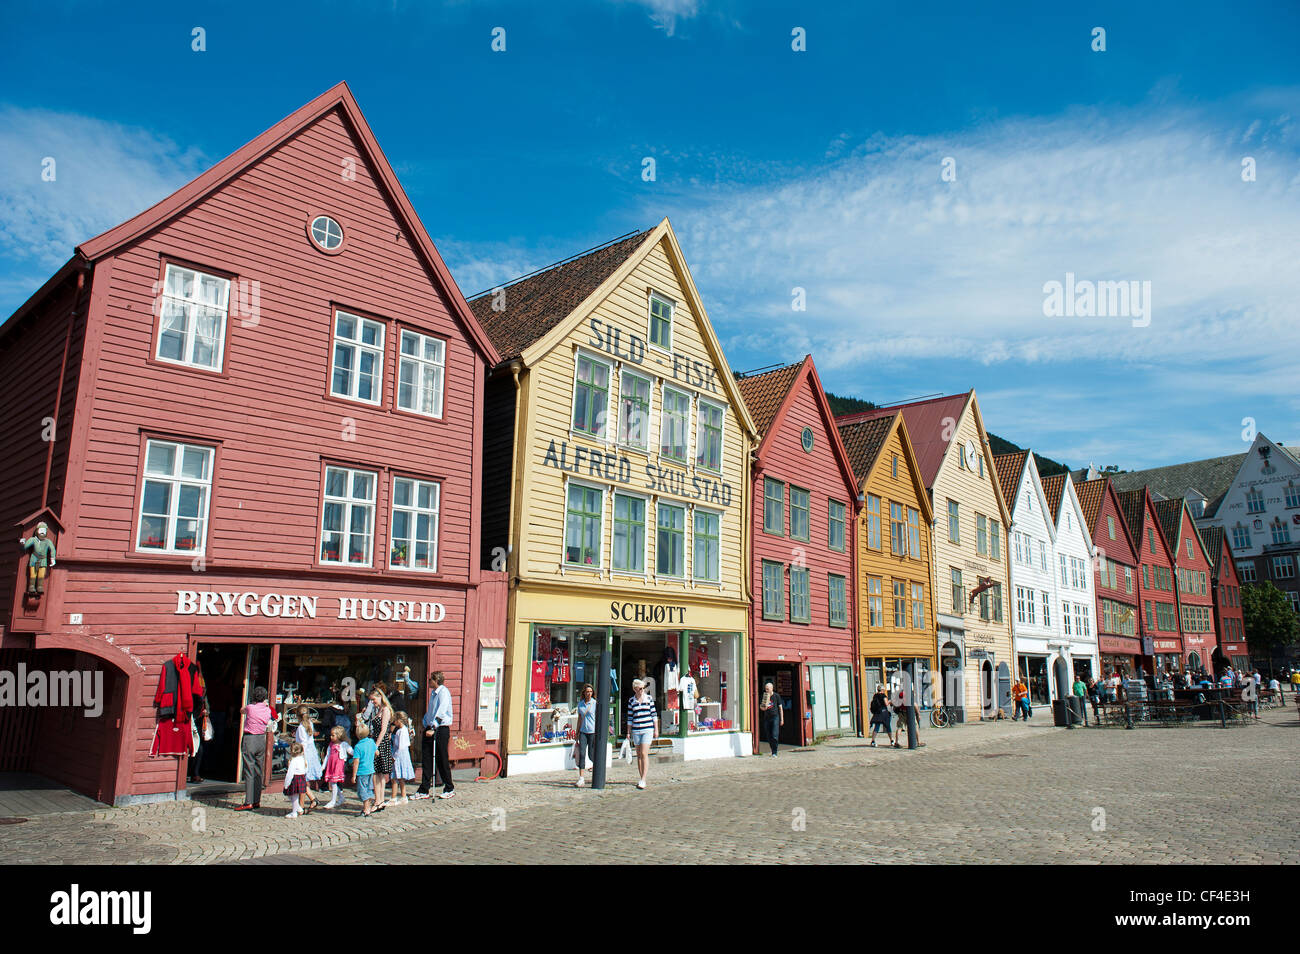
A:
981	793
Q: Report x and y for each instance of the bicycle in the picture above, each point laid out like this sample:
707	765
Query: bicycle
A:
942	717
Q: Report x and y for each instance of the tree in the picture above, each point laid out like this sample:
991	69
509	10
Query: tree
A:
1270	622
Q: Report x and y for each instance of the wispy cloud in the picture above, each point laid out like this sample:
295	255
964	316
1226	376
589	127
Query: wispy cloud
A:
665	13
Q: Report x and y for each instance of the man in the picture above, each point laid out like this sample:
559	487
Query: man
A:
1081	691
1094	696
902	703
436	739
1020	692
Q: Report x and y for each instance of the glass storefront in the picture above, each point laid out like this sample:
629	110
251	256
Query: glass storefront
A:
1111	663
1033	670
832	708
1082	669
888	671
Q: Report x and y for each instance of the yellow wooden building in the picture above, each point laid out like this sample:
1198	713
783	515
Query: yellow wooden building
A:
616	483
895	595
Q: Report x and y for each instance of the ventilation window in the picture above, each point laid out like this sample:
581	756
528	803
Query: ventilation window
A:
326	233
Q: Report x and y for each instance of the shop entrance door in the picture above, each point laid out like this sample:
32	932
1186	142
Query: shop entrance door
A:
230	672
785	680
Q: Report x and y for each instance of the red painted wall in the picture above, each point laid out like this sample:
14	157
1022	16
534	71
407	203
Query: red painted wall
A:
1120	552
1164	559
1202	643
1229	622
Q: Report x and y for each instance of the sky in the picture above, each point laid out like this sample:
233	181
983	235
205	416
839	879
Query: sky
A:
895	198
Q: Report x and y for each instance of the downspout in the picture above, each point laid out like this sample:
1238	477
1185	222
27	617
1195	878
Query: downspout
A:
58	395
747	518
507	690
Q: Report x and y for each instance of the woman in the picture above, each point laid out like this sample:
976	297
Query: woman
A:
880	716
772	711
380	725
642	726
586	744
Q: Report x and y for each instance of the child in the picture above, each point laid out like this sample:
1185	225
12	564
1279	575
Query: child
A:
305	736
402	767
336	763
295	780
363	769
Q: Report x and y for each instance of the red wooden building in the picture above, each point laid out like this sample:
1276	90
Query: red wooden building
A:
1192	570
802	554
1159	627
1229	624
1115	575
261	404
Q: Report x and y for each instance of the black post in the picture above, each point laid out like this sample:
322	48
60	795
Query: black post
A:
1223	718
602	720
909	688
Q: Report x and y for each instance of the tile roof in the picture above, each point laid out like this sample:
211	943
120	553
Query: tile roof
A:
536	303
765	393
1213	537
1054	490
1091	493
1210	478
1010	468
925	425
1132	508
863	441
1170	514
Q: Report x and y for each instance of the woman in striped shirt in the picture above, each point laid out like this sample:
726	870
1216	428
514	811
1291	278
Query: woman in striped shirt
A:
642	726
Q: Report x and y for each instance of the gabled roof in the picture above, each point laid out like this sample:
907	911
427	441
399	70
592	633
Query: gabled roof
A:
765	393
1170	515
864	440
1054	490
1091	494
1132	507
1010	468
338	98
1211	477
536	303
772	392
925	425
1213	538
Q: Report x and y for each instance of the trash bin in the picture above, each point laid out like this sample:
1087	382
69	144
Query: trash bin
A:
1077	710
1060	713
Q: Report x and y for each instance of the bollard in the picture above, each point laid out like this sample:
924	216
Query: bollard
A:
1223	718
602	721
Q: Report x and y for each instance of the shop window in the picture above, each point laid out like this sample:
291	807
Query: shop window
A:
897	530
839	608
661	322
634	410
713	660
832	710
192	318
590	396
358	358
773	507
875	602
629	533
174	497
708	436
583	525
563	660
706	537
672	430
773	590
799	516
420	369
670	548
348	518
835	524
415	524
873	521
800	602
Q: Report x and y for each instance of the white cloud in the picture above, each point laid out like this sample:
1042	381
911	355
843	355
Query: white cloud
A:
104	173
665	13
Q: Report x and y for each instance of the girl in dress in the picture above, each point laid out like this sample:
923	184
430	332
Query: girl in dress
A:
306	737
295	780
403	769
336	763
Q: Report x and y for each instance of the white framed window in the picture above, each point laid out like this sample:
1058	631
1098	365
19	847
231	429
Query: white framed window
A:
1292	495
1280	530
1254	501
421	366
1283	568
1064	577
358	358
192	318
706	540
708	435
1240	537
1047	609
348	517
661	322
326	232
1246	570
676	416
629	533
590	395
174	498
633	410
414	543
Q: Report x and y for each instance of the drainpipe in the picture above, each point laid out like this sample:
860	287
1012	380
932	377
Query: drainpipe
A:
517	479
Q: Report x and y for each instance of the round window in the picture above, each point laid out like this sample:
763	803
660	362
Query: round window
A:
326	233
807	440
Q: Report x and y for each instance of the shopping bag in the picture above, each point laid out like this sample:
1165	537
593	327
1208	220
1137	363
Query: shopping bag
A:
625	753
207	729
577	748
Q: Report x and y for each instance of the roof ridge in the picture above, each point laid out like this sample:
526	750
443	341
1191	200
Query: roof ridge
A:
559	264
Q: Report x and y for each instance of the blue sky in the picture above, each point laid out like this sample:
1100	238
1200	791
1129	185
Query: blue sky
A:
818	170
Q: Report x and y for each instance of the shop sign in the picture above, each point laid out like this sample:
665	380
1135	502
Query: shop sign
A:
615	467
299	606
327	661
980	638
646	613
605	337
979	654
1167	646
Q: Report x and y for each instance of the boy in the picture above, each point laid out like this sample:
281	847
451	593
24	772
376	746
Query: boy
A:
363	769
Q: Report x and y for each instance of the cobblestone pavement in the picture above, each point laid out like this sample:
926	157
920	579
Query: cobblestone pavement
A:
995	792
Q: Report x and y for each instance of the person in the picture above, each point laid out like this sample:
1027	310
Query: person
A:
585	747
879	707
642	727
1081	693
363	769
259	726
336	761
1094	696
1295	682
771	709
403	770
305	735
900	702
295	779
1113	685
380	724
435	746
1020	692
1275	689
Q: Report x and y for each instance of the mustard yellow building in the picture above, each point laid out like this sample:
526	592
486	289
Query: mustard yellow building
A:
616	483
895	596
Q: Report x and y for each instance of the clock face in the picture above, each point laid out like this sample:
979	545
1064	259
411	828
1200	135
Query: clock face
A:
972	455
